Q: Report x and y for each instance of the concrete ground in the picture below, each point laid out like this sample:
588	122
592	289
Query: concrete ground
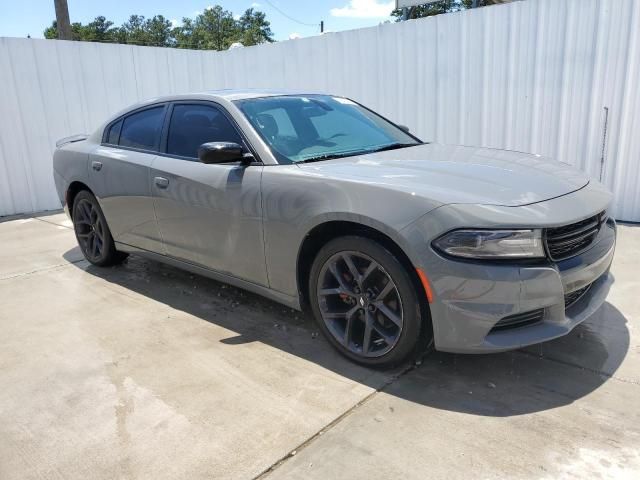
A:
144	371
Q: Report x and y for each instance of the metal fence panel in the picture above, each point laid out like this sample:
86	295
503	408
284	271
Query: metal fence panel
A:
542	76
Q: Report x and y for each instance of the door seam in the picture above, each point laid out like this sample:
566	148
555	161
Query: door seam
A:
264	233
153	200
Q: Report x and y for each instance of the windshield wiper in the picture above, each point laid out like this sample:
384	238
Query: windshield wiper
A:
393	146
328	156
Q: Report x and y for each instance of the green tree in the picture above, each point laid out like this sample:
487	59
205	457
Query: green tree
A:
133	30
98	31
183	34
440	7
159	32
254	28
213	29
154	31
51	32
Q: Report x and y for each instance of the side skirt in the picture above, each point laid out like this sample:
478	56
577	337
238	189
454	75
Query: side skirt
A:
288	300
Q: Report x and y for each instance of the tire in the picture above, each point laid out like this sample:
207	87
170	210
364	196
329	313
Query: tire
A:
343	308
92	232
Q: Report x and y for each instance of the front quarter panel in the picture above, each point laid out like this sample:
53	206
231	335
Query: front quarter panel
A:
298	199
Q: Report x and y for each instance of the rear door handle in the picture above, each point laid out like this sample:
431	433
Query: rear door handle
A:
161	182
97	166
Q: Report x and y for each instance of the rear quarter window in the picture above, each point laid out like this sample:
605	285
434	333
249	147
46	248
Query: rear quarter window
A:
113	135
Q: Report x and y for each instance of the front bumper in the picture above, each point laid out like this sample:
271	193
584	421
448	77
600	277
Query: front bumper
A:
471	298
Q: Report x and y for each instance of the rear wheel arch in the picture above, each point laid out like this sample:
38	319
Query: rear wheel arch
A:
73	189
91	229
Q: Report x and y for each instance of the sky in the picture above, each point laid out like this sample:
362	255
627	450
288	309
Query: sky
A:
300	17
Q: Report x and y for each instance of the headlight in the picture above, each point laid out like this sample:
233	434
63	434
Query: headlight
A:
488	244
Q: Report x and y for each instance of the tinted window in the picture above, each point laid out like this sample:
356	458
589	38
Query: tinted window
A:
193	125
142	129
114	133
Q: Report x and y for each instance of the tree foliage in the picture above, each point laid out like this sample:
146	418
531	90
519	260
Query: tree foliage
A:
213	29
254	28
440	7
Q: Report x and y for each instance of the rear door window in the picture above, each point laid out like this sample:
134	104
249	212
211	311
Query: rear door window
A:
142	129
193	125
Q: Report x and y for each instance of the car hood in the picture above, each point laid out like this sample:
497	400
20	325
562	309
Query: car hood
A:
457	174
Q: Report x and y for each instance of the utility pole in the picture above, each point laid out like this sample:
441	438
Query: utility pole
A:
62	20
321	26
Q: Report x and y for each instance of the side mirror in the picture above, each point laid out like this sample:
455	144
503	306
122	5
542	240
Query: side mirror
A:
404	128
220	152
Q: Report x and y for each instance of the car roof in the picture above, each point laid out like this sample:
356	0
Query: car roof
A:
229	95
242	94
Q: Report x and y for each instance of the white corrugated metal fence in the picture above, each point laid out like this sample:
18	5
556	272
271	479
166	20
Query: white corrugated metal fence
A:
541	76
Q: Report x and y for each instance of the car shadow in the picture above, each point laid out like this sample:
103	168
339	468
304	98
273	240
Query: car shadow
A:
533	379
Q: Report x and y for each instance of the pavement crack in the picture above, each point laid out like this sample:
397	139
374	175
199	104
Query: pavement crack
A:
580	367
53	223
266	472
44	269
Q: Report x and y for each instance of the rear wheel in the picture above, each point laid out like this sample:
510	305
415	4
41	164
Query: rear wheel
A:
92	232
365	301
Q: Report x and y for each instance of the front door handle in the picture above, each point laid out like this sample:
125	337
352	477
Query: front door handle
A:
161	182
97	166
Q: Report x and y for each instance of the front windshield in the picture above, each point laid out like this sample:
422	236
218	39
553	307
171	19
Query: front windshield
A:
319	127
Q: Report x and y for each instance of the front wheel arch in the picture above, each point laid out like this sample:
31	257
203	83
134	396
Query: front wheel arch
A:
323	233
414	338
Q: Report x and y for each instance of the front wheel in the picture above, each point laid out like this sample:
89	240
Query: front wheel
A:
92	231
365	301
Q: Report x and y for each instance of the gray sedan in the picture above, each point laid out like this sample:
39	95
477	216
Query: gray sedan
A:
317	202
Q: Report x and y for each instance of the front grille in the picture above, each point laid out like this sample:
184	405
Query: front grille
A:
519	320
573	297
569	240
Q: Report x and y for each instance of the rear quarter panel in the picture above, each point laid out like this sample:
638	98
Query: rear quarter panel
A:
71	164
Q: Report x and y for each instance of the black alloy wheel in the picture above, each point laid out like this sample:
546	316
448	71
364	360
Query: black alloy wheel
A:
365	302
360	304
92	231
89	230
